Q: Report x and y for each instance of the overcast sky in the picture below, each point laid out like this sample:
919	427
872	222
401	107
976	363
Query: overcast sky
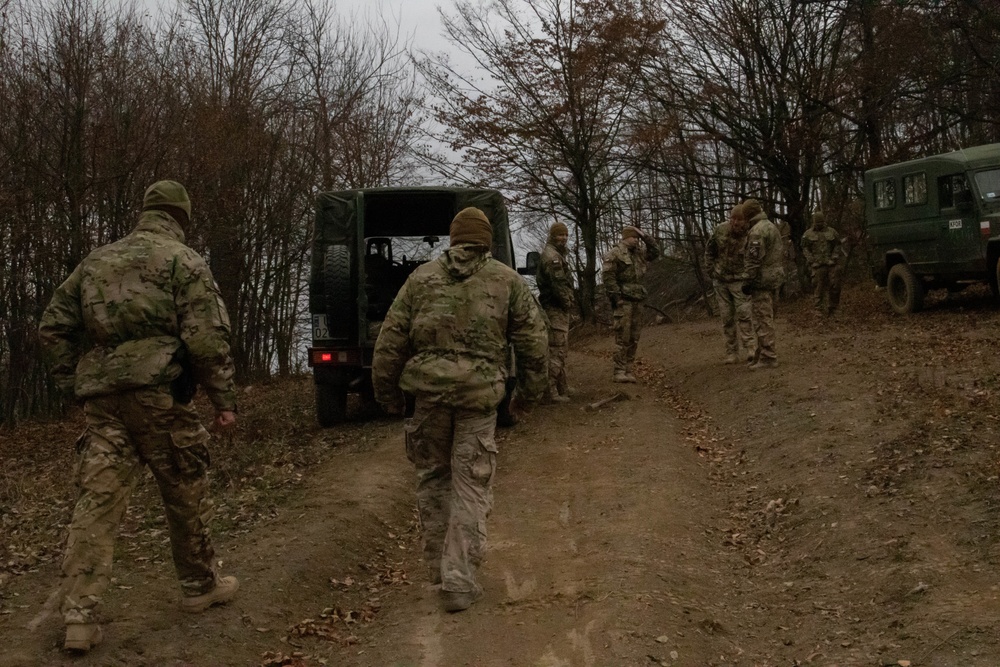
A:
418	19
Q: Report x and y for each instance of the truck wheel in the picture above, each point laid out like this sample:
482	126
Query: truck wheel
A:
331	404
337	294
904	289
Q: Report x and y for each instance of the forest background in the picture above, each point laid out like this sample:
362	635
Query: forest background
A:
600	113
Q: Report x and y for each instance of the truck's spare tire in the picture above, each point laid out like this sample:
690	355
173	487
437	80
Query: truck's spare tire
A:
338	297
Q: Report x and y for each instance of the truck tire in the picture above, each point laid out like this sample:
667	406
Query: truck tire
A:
337	294
904	289
331	404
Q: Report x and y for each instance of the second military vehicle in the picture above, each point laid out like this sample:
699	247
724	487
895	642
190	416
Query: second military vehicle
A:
934	223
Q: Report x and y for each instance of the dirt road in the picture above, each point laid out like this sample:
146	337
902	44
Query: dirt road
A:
838	510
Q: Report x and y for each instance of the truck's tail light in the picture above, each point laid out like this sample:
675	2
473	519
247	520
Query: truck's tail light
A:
334	357
984	227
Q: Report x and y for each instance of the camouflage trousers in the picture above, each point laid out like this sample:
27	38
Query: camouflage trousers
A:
735	311
558	345
455	455
826	288
627	326
125	432
762	311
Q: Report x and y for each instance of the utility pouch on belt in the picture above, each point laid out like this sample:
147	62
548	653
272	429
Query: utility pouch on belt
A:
184	386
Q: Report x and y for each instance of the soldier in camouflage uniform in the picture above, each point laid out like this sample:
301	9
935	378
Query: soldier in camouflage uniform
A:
623	269
822	252
724	256
156	328
445	342
555	292
765	272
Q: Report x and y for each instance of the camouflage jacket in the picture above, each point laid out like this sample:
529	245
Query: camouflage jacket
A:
445	338
133	312
555	284
724	254
820	248
623	270
765	255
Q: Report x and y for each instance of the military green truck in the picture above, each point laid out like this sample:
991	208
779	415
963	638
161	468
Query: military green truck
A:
934	223
365	245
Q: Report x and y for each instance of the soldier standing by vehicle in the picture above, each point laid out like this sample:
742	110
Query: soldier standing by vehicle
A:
763	264
156	329
623	269
555	292
445	341
822	252
724	257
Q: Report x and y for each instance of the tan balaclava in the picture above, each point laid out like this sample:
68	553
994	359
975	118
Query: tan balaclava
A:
471	226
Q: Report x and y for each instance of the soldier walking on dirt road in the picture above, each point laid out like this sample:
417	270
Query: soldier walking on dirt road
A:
623	269
763	262
555	293
822	252
724	257
156	328
445	341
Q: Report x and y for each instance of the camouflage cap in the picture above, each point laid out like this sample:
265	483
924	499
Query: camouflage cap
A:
818	218
630	232
471	225
167	193
557	229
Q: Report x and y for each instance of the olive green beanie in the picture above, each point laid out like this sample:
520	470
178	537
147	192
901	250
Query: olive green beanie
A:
471	226
751	208
166	193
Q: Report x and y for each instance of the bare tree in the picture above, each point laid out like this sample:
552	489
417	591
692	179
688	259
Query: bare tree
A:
545	115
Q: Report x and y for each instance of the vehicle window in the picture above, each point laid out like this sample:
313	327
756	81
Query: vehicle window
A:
416	249
988	183
885	194
915	189
953	189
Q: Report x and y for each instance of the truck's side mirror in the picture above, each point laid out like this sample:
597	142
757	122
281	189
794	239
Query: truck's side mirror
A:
531	263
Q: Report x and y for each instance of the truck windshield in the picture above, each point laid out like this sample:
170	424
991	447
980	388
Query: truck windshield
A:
988	183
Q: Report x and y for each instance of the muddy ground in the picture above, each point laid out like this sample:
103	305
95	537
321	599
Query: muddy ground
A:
841	509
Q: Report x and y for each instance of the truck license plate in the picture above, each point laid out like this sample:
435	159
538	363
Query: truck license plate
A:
320	329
